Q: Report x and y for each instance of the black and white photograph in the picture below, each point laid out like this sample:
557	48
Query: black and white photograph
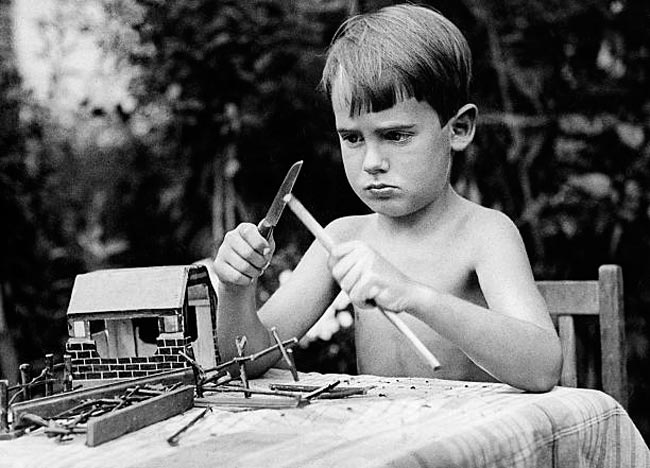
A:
324	233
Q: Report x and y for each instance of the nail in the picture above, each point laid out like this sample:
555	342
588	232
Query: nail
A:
285	356
240	343
323	389
173	439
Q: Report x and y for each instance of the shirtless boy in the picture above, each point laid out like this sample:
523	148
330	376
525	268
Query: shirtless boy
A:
457	273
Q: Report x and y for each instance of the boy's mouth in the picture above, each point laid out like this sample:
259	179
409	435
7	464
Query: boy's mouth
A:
380	189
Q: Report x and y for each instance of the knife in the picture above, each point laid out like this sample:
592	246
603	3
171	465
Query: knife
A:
269	221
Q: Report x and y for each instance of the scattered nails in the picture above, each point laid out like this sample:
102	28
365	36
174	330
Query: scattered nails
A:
173	439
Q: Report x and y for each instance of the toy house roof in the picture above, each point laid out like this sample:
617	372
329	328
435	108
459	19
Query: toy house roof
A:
130	289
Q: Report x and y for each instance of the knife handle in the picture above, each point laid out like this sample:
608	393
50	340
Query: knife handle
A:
265	229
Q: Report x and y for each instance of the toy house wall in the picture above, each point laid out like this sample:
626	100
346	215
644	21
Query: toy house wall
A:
87	364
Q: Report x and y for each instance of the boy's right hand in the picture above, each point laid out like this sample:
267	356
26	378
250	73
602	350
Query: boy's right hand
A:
243	255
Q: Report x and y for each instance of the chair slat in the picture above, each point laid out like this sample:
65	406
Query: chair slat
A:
567	333
603	298
612	333
570	297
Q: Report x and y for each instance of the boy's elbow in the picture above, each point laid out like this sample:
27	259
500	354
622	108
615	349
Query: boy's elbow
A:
549	374
545	382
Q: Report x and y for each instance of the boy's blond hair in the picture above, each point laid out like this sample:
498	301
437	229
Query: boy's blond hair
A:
400	52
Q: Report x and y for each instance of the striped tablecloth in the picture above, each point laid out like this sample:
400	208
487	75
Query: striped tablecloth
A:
401	422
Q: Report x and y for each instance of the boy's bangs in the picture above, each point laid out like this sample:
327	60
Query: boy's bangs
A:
374	92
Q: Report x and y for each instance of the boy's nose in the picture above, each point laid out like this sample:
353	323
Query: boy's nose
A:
373	161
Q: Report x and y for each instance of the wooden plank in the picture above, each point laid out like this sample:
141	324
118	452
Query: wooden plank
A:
50	406
612	333
120	314
204	344
112	425
337	392
254	402
570	297
121	340
567	332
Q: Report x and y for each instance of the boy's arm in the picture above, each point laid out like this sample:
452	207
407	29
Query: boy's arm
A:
292	309
241	259
303	298
515	341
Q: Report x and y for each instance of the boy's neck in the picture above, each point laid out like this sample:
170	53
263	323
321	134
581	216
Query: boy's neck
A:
426	221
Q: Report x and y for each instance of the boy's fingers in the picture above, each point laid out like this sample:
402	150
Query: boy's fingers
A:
243	266
341	266
351	278
243	255
246	251
252	236
341	301
342	249
227	274
360	297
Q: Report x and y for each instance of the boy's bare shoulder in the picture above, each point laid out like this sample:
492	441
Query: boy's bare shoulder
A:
349	227
490	229
488	220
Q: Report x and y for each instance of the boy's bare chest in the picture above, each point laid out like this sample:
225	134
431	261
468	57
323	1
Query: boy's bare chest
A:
443	265
446	266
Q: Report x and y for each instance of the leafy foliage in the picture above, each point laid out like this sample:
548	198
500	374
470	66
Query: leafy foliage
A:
236	83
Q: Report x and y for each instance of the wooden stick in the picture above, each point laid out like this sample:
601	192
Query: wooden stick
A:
112	425
4	406
291	387
25	378
67	373
251	357
310	222
328	243
49	407
253	391
240	343
197	370
292	367
285	356
237	402
49	365
320	390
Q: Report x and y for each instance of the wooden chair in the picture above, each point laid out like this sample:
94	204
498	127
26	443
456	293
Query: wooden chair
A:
602	298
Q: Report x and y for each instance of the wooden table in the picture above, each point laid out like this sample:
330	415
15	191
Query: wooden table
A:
401	422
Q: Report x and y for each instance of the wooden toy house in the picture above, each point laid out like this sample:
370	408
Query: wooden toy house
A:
133	322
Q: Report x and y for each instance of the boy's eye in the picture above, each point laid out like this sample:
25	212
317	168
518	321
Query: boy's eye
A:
351	138
396	136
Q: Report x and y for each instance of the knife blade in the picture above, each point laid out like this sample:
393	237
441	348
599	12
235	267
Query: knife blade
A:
269	221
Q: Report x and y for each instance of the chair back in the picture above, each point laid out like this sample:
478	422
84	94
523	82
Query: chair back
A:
602	298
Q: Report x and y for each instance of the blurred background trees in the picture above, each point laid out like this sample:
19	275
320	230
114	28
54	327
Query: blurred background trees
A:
221	99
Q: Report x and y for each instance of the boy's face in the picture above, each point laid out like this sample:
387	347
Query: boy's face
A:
397	160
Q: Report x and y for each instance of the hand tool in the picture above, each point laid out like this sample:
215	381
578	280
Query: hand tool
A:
269	221
328	243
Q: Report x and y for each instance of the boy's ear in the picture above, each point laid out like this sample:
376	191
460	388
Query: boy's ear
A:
463	127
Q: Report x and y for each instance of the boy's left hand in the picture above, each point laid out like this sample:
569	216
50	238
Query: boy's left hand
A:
368	278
